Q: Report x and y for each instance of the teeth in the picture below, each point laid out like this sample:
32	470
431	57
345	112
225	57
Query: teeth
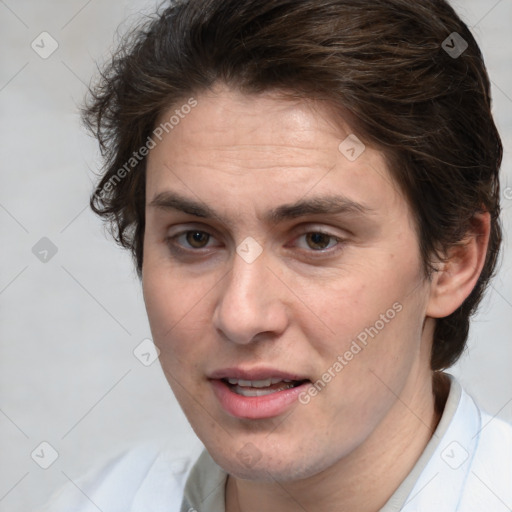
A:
254	391
257	383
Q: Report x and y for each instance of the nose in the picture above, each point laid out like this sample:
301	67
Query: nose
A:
249	303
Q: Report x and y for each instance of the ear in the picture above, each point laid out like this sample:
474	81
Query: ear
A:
458	274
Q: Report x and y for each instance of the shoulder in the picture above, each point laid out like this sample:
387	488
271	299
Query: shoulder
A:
491	469
489	478
494	445
146	478
470	466
496	436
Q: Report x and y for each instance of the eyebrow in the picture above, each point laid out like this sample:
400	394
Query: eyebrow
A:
324	205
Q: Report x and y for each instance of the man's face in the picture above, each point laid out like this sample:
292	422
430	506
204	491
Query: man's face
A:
292	258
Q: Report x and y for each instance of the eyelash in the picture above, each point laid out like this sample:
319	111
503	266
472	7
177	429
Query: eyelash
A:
178	249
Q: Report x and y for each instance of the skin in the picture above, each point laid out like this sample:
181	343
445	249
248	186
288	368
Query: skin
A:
297	306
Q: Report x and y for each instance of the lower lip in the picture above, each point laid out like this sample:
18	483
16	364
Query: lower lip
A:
256	407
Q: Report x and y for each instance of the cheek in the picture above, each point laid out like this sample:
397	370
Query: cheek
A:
351	304
167	294
179	313
375	318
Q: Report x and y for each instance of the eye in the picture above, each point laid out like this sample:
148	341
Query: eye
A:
197	239
319	241
193	239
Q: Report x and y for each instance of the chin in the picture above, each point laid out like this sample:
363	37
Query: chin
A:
271	466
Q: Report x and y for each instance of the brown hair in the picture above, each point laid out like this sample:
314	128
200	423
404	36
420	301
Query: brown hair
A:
383	62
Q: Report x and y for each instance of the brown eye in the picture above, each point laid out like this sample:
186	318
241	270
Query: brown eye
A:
197	239
318	241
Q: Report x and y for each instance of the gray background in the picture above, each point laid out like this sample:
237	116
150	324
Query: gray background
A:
69	326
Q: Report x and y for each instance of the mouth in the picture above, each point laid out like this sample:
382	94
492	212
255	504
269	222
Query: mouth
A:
263	387
257	394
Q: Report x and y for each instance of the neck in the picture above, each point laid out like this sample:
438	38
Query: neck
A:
365	479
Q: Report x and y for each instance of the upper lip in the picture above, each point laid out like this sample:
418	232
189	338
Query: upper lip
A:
260	373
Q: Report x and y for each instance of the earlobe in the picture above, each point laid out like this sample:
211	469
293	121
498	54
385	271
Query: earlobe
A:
458	274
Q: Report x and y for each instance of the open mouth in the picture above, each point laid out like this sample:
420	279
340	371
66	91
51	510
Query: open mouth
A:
254	388
257	394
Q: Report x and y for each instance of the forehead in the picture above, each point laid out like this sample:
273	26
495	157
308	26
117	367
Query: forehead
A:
260	148
226	118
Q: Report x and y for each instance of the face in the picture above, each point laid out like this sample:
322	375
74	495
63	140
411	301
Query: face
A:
272	254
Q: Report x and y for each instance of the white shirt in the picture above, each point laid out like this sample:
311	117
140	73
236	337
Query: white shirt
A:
466	467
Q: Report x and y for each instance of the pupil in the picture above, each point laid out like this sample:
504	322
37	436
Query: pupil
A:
197	238
320	240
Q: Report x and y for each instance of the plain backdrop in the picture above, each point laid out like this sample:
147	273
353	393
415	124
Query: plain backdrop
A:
68	326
